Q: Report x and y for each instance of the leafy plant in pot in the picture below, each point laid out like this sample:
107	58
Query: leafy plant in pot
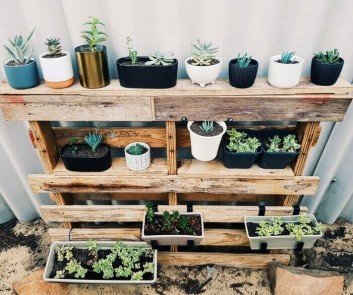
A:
205	138
285	70
326	67
21	68
92	61
158	70
138	156
172	228
282	232
280	148
240	149
203	67
95	262
93	155
242	71
56	65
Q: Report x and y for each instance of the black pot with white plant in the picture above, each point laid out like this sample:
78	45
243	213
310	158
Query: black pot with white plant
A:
159	70
242	71
138	156
326	67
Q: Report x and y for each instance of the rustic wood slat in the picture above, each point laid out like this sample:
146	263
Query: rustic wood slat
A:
258	261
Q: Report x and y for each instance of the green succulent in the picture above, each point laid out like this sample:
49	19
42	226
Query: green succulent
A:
184	224
74	267
149	212
131	50
54	47
207	126
148	267
330	56
64	252
303	228
94	36
136	149
159	58
287	57
94	140
240	142
60	274
137	276
123	272
203	53
19	50
289	144
105	266
243	61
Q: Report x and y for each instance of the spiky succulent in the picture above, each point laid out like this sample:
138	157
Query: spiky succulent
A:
207	126
54	47
19	49
93	36
287	57
240	142
203	53
94	140
135	150
330	56
160	58
131	50
243	61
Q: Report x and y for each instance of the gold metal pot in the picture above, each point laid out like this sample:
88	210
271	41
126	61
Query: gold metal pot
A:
92	66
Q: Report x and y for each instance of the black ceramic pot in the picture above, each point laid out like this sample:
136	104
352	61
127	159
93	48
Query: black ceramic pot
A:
324	73
242	77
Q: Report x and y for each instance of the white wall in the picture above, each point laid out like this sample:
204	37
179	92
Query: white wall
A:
261	28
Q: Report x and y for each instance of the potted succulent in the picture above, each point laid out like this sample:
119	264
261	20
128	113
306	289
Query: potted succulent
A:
205	138
240	149
203	67
242	71
56	65
93	155
21	68
101	263
282	232
138	156
326	67
280	148
285	70
159	70
172	228
92	61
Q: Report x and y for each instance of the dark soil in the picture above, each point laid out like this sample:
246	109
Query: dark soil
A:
144	150
138	63
12	63
156	227
87	259
213	62
293	62
8	239
85	151
54	56
253	225
217	129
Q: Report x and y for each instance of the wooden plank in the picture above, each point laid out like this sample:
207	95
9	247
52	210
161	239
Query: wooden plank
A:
104	183
239	198
115	137
254	261
171	148
325	107
225	237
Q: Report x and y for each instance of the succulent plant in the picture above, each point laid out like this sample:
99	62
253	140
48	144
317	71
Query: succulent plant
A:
74	267
243	61
54	47
93	36
94	140
19	49
203	53
149	212
272	227
160	58
60	274
330	56
240	142
135	150
64	252
287	57
289	144
132	51
207	126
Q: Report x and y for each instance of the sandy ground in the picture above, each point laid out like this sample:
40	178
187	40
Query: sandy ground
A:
24	247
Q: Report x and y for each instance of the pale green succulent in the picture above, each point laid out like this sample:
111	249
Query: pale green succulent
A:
207	126
123	271
54	47
19	50
60	274
64	252
105	266
239	142
137	276
330	56
287	57
148	267
159	58
203	53
93	36
288	144
303	228
74	267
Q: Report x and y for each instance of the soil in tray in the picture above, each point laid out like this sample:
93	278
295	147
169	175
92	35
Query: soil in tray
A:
156	227
253	225
83	256
217	129
85	151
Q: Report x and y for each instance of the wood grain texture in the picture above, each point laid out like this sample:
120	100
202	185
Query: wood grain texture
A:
171	148
258	261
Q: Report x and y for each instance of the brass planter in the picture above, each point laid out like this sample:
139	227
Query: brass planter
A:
92	66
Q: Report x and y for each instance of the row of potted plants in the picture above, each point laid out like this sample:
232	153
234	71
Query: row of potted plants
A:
271	149
159	70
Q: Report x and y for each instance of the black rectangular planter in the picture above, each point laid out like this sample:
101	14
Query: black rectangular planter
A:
86	164
272	160
146	76
234	160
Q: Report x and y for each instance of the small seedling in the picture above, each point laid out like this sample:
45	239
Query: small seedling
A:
239	142
330	56
74	267
137	276
287	57
19	51
93	36
54	47
60	274
136	150
159	58
64	252
132	51
149	212
94	140
123	271
203	53
184	224
243	61
73	146
105	266
207	126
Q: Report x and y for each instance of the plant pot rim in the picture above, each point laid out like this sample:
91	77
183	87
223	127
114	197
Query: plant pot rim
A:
100	47
137	142
340	61
83	158
121	59
258	152
215	65
19	66
59	57
274	59
179	236
221	123
281	153
253	63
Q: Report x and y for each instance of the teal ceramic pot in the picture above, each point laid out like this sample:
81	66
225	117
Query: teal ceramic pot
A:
22	77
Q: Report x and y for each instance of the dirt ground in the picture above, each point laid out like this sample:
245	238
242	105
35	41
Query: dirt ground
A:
24	248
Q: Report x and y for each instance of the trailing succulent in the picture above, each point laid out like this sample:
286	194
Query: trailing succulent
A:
207	126
19	50
243	61
288	144
203	53
239	142
93	36
131	50
159	58
136	149
287	57
329	57
54	47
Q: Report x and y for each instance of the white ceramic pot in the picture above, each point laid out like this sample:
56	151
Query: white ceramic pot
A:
205	148
57	72
280	242
102	245
203	75
171	240
138	162
284	75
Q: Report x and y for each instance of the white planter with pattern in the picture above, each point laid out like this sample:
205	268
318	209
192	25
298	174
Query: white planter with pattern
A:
138	162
